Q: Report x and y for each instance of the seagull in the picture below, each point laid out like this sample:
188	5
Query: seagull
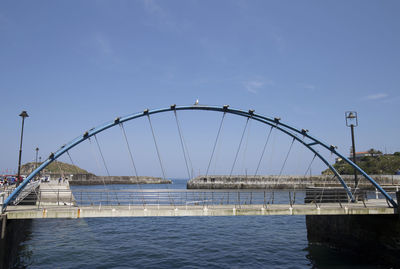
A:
197	102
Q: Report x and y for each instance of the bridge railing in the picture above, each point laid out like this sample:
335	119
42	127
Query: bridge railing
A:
30	189
235	198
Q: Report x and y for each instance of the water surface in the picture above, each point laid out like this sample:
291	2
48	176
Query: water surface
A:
177	242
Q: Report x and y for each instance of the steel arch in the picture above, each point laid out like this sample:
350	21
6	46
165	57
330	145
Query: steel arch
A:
273	122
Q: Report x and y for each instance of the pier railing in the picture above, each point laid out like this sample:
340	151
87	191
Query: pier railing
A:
178	197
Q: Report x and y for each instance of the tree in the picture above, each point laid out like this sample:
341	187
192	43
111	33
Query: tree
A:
373	165
373	152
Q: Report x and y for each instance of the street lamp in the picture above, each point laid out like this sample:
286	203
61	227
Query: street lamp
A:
23	115
36	163
352	121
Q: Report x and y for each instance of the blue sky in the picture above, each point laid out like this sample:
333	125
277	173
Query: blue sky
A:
76	64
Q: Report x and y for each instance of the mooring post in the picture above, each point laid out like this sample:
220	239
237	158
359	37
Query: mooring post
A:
3	225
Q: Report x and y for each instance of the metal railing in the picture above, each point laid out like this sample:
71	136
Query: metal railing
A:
178	197
30	189
2	197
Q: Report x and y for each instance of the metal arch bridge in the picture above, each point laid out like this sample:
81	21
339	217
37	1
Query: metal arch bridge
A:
275	123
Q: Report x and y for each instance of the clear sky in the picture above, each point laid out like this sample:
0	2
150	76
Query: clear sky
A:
76	64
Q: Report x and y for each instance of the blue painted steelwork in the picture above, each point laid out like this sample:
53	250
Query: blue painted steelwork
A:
296	134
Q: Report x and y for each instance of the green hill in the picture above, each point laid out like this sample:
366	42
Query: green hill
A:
55	167
387	164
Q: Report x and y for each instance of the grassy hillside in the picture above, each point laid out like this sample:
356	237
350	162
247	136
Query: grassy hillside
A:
387	164
54	167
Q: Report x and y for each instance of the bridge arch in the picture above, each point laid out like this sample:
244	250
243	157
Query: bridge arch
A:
276	123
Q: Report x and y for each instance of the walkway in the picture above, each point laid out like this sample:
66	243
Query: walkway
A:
371	207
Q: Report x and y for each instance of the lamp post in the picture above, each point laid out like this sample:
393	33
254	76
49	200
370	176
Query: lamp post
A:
352	121
36	159
40	161
36	163
23	115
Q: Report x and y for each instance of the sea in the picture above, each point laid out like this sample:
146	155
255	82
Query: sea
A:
178	242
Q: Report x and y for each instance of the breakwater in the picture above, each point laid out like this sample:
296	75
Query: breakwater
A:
286	182
90	179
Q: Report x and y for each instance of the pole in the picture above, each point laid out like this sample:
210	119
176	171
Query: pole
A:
3	225
20	151
36	159
354	155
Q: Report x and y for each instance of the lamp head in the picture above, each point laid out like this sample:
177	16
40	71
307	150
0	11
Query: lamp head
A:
24	114
351	115
351	118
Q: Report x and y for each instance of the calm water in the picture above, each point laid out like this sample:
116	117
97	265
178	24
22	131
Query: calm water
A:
177	242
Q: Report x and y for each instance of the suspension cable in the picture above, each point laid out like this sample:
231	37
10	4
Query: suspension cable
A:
263	151
155	143
59	168
283	166
214	164
72	162
99	167
188	155
97	160
215	143
76	168
105	165
240	144
293	201
159	159
190	161
183	147
287	156
121	125
243	168
101	154
323	188
309	167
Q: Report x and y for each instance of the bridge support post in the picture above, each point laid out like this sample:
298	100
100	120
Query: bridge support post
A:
3	226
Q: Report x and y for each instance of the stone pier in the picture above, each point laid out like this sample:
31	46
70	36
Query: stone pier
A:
286	182
55	193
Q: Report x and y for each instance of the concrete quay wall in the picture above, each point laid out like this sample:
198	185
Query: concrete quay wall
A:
285	182
372	237
13	232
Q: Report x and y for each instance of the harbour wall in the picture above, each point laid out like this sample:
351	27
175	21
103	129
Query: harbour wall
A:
372	237
286	182
15	232
12	232
90	179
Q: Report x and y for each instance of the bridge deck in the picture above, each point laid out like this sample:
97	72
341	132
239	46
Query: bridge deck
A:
372	206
